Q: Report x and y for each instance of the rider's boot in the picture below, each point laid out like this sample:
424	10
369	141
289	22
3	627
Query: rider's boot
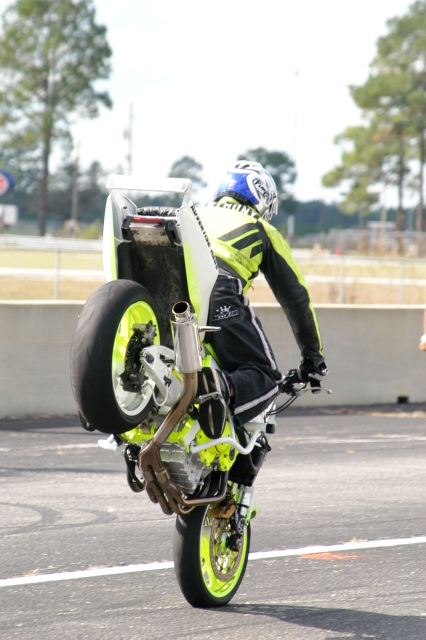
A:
213	399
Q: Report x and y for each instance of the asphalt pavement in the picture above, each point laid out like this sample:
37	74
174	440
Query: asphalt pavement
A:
338	543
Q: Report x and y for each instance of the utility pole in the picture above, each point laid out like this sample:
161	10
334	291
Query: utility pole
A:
291	218
295	115
128	135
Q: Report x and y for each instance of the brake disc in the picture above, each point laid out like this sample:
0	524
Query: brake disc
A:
224	561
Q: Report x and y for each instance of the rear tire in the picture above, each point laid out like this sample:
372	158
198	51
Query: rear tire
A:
98	350
208	573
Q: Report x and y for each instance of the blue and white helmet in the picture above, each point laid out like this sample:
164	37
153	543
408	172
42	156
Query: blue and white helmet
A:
249	183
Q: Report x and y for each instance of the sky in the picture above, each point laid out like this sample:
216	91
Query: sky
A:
211	80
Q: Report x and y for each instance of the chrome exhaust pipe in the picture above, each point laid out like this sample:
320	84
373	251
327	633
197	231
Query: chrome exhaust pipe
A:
186	339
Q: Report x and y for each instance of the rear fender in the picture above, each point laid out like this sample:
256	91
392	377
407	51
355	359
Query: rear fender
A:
116	209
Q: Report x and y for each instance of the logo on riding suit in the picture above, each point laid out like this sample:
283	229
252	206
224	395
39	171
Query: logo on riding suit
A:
224	312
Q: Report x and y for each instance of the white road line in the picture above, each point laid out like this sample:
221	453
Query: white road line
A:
348	546
319	440
158	566
281	439
56	447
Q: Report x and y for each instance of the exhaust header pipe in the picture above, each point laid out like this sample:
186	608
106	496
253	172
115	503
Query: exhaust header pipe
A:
159	486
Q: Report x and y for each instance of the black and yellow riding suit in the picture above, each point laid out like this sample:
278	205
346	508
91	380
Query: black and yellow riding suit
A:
244	245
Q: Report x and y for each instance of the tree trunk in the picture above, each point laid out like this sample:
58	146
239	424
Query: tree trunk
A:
401	172
400	211
44	183
420	207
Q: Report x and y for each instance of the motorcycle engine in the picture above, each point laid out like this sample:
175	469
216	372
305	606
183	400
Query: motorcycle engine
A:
186	469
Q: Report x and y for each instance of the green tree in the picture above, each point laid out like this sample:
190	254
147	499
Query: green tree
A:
282	169
395	91
51	54
372	158
92	193
187	167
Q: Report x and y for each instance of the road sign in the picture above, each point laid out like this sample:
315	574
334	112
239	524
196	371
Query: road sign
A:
6	182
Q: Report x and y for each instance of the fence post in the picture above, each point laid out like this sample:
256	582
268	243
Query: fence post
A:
342	280
58	263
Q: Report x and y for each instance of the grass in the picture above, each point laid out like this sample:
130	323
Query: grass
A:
20	288
353	294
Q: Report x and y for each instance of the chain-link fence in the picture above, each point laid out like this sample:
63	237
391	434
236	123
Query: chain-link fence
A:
66	268
377	241
44	268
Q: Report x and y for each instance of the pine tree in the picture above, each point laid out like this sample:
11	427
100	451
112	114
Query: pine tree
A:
51	54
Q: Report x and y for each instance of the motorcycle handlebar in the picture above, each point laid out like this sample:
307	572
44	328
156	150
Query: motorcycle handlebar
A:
292	385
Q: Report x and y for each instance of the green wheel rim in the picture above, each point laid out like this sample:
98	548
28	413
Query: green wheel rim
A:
139	313
221	568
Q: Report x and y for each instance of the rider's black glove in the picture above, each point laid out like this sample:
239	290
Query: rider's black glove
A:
312	373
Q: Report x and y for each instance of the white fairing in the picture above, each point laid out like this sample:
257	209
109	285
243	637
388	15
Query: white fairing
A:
201	268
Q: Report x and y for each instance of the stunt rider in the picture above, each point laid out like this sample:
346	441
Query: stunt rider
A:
244	243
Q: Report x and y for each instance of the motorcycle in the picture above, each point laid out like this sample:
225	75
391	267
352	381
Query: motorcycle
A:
134	376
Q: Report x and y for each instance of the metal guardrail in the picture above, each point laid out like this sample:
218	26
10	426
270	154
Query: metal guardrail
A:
375	240
49	274
341	262
50	243
53	244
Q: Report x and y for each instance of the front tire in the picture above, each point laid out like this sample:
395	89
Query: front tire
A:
209	574
99	350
